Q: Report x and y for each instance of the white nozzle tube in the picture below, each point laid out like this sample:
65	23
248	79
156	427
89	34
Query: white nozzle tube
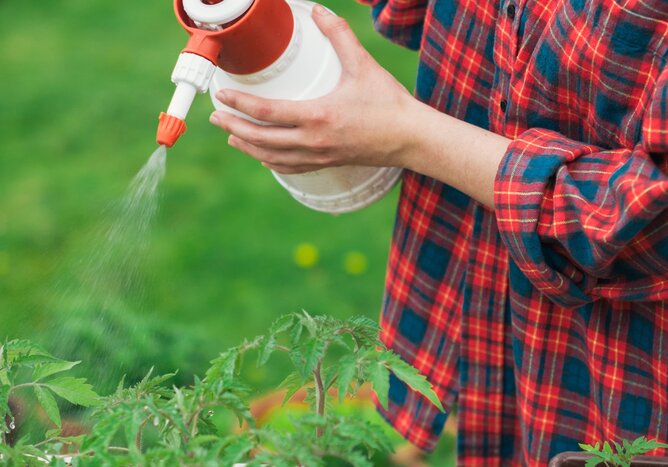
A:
183	98
192	74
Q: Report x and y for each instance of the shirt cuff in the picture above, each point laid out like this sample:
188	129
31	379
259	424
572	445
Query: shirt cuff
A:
522	202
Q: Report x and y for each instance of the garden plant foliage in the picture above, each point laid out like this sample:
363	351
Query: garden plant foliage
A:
622	455
151	423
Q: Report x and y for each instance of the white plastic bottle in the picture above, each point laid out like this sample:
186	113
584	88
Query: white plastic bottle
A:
304	67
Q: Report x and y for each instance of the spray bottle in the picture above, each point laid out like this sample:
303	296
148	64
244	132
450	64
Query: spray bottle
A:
272	49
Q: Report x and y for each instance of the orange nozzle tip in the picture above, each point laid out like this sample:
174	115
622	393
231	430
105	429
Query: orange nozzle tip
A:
170	129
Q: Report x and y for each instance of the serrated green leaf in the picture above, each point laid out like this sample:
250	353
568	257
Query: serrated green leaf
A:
347	370
146	377
412	377
18	351
314	351
203	439
237	450
379	376
53	433
148	384
224	366
586	447
593	462
296	333
650	444
292	383
102	433
308	322
74	390
49	404
617	459
639	441
265	350
4	403
365	332
607	450
329	374
297	359
618	447
282	324
356	459
626	444
51	368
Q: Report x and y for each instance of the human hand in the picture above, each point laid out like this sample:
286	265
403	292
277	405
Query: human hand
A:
361	122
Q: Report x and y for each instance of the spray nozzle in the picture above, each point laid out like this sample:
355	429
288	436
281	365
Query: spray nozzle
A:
192	74
250	45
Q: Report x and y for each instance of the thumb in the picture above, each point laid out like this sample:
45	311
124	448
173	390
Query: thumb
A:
343	39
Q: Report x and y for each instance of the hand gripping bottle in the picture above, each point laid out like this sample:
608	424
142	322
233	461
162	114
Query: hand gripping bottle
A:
272	49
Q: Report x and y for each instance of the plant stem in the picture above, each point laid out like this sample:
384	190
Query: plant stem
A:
43	442
184	434
319	396
24	385
193	422
118	449
139	433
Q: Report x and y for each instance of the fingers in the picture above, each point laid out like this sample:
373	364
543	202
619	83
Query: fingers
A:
259	135
343	39
282	161
281	112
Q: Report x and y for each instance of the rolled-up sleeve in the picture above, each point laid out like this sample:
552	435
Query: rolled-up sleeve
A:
583	222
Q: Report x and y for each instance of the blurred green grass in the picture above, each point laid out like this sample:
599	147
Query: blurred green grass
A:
83	83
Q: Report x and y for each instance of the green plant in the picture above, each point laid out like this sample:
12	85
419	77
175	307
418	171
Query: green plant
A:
622	454
151	424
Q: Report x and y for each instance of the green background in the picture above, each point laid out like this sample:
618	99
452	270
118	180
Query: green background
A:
82	85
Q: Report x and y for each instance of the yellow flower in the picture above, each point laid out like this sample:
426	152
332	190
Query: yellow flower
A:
306	255
355	263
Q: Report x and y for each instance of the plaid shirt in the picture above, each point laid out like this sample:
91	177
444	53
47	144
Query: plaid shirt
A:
545	321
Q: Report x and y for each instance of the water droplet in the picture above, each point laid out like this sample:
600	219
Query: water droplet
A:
210	413
156	421
12	426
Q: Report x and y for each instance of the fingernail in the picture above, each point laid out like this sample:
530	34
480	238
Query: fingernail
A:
214	119
321	10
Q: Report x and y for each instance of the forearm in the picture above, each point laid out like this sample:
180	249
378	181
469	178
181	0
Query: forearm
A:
369	119
454	152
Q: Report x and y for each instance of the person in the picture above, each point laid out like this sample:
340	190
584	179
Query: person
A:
528	271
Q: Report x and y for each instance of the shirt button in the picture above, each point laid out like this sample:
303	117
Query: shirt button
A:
510	9
503	105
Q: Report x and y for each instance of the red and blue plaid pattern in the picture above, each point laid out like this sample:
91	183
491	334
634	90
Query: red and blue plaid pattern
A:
545	321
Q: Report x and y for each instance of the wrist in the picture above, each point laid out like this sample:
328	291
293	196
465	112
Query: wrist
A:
411	142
